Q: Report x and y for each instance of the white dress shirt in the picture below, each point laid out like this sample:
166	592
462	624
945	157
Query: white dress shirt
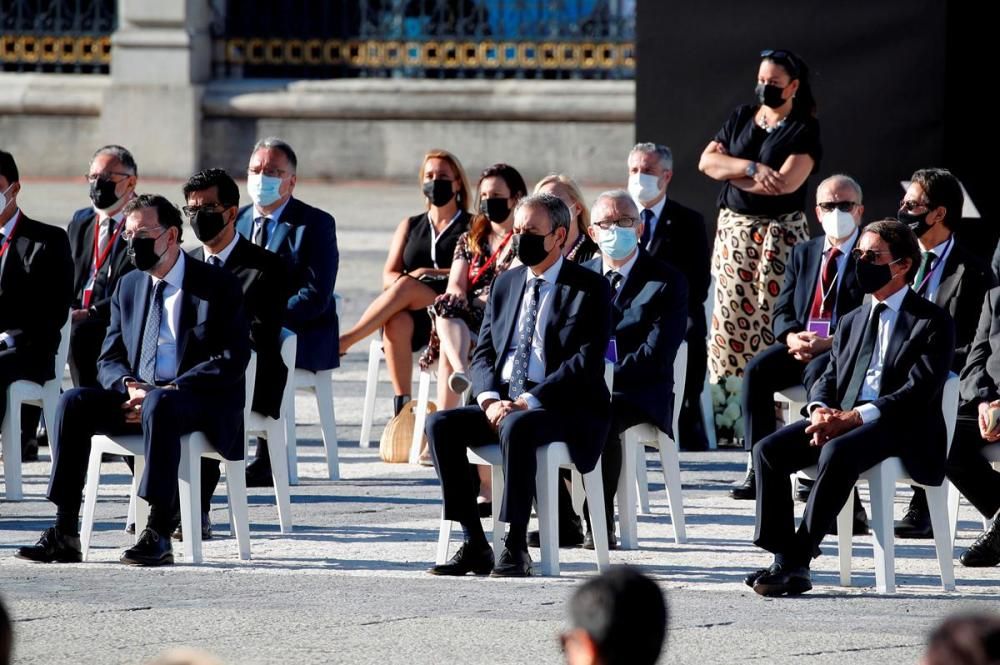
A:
941	251
166	346
623	271
536	359
226	251
7	229
845	249
270	219
657	212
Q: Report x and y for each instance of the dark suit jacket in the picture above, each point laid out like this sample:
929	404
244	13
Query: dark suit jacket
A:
306	238
262	277
576	337
81	244
36	286
791	312
981	374
680	240
916	367
964	283
213	345
648	320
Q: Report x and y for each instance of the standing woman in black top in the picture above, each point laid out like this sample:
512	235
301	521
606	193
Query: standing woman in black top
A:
416	271
763	156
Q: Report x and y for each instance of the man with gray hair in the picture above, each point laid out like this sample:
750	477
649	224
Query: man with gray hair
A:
306	238
676	235
538	376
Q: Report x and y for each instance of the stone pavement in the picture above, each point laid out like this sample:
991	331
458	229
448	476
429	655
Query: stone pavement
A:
348	585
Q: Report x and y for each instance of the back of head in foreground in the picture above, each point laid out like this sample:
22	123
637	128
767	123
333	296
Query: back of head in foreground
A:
965	639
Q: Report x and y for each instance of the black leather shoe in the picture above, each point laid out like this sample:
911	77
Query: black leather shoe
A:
485	508
757	574
783	581
130	528
468	559
985	551
259	474
859	527
29	450
588	541
916	523
53	547
150	550
206	529
748	490
513	563
568	537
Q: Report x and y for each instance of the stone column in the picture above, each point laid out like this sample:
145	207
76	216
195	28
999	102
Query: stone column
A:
160	61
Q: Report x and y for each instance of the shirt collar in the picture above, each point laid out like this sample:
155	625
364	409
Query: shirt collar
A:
940	247
624	270
226	251
657	209
844	247
8	228
274	214
175	277
895	301
550	274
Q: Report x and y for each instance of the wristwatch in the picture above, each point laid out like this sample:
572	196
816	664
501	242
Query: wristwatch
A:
751	170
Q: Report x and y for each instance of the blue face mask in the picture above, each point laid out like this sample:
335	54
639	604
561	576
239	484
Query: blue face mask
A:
264	189
617	242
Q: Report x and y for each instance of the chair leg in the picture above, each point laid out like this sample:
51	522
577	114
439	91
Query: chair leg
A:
236	489
328	425
937	503
189	490
576	492
277	451
708	415
882	486
626	486
671	463
845	532
138	506
496	475
90	500
49	403
444	538
954	502
546	477
13	490
594	484
420	416
641	476
371	386
291	442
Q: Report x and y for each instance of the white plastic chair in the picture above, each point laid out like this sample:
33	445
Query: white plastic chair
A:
633	472
882	479
282	455
420	414
481	456
194	446
992	454
375	356
707	408
45	395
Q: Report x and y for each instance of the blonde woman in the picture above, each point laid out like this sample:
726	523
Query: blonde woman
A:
579	247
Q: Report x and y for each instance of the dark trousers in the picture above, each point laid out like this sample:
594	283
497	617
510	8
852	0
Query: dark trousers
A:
968	469
840	462
771	370
85	340
166	416
450	433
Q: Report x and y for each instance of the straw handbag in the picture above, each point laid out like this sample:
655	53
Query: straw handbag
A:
394	447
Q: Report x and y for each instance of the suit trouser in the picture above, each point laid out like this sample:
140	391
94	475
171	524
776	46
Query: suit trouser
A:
167	415
771	370
840	462
968	469
450	433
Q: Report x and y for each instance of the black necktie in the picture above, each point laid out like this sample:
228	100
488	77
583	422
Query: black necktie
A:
522	354
151	335
215	261
863	359
647	226
615	278
260	233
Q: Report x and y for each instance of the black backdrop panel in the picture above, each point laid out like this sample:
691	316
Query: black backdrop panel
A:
878	73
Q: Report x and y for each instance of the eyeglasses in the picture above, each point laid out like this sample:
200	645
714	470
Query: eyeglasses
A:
107	175
866	255
621	222
783	57
270	173
910	206
842	206
191	211
129	236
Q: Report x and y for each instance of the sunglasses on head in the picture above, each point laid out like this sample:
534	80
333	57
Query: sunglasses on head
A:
842	206
784	58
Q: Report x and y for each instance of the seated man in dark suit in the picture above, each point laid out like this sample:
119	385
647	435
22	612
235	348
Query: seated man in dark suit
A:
212	199
173	363
971	473
819	290
538	376
675	234
306	239
950	276
648	319
36	282
879	397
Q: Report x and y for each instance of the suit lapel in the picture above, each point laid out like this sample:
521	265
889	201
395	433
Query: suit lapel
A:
189	311
632	285
901	331
814	263
244	225
510	313
951	278
662	230
558	313
140	303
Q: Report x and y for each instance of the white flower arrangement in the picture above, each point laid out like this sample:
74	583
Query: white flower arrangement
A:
726	405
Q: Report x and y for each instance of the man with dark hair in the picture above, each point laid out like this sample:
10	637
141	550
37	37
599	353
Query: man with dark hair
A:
879	397
538	377
173	363
36	281
617	618
212	199
950	276
306	239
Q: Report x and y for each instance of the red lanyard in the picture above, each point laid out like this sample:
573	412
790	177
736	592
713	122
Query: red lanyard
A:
101	257
10	237
474	277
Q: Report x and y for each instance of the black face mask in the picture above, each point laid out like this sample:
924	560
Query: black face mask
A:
207	225
917	223
871	276
439	192
497	209
102	193
530	248
142	252
769	95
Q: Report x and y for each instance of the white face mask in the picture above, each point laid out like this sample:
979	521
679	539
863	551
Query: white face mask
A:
643	187
264	189
837	224
4	201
